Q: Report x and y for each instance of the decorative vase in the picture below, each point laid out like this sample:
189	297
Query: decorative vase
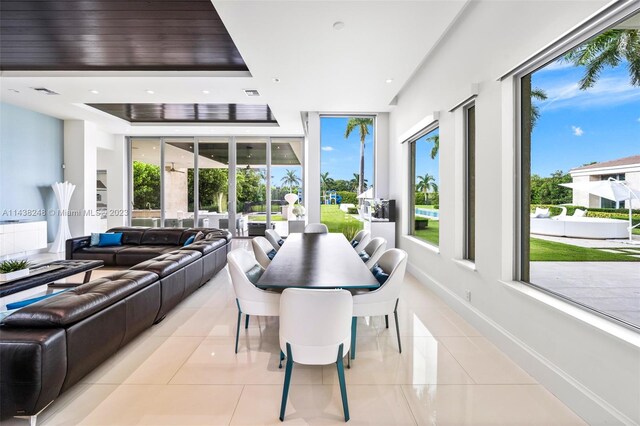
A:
63	192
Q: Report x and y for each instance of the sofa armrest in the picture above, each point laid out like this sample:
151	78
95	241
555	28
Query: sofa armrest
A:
74	244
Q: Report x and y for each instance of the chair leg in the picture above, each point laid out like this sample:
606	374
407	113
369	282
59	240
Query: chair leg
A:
395	314
349	360
238	327
287	382
354	326
246	321
386	321
343	386
281	359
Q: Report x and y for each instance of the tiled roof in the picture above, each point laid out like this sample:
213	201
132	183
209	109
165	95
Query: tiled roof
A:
626	161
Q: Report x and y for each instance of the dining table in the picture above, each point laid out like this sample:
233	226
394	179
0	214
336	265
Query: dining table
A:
317	261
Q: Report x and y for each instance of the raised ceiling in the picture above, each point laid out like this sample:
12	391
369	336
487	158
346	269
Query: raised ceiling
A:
189	113
126	35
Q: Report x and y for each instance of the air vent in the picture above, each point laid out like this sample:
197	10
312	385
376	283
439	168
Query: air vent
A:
45	91
251	92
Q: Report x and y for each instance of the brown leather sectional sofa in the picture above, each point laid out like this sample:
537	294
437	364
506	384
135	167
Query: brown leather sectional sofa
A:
47	347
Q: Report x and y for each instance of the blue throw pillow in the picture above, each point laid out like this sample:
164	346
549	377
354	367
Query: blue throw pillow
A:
280	242
189	240
107	240
364	256
354	243
254	273
379	274
27	302
272	254
95	238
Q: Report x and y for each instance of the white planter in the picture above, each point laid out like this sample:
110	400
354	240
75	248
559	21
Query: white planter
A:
14	275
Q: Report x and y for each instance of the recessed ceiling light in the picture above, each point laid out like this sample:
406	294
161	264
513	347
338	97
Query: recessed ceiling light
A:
276	80
251	92
206	92
389	80
94	91
338	25
151	92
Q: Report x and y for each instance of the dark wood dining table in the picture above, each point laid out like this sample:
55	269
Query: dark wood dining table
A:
318	261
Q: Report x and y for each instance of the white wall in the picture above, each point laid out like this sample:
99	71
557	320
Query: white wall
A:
112	157
592	365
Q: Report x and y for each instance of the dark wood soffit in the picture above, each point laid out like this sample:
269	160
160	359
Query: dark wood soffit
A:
97	35
189	113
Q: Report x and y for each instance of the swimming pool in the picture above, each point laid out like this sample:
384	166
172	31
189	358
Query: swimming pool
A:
427	213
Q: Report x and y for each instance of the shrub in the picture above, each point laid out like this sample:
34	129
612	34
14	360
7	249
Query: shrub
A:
348	197
350	230
13	265
622	214
352	210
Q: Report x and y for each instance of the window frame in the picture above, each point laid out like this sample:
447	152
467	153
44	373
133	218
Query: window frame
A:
469	193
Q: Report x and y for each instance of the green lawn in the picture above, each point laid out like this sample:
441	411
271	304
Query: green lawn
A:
338	221
431	234
263	218
547	251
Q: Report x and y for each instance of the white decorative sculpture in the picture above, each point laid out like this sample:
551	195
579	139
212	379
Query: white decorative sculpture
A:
291	199
63	193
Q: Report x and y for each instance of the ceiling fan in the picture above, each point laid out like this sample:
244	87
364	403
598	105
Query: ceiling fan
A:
172	169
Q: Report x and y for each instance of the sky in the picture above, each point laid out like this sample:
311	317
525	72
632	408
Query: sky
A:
424	163
341	157
578	127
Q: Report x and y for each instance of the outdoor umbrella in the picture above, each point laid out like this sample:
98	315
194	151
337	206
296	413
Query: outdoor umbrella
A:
611	189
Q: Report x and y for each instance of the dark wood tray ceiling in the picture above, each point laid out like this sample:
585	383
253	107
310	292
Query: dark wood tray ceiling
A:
115	35
247	153
189	113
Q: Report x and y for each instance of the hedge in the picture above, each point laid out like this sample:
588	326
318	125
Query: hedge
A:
348	197
622	214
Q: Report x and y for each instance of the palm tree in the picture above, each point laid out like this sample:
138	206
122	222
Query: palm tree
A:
324	180
426	183
608	48
539	95
436	145
290	179
355	183
362	124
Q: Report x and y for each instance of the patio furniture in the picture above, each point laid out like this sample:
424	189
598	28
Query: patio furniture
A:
579	227
314	330
255	229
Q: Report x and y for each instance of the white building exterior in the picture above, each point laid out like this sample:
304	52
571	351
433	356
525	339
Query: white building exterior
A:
627	168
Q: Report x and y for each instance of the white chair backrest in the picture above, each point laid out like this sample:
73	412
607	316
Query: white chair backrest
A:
240	262
315	323
362	237
316	228
394	263
260	249
273	237
374	249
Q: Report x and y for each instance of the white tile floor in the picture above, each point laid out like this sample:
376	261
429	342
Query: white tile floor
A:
183	371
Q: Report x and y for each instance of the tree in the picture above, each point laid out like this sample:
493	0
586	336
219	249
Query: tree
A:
436	145
426	184
607	48
146	186
357	184
539	95
213	186
325	181
547	190
290	179
362	125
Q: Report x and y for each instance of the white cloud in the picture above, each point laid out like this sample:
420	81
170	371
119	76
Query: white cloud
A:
607	92
577	131
327	148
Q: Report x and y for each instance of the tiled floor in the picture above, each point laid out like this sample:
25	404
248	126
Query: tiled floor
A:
184	371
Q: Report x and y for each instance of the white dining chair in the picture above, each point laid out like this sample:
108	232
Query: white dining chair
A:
384	300
360	241
314	330
251	300
263	251
274	238
373	251
316	228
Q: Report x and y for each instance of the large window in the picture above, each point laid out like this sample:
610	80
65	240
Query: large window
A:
347	170
424	209
581	175
205	182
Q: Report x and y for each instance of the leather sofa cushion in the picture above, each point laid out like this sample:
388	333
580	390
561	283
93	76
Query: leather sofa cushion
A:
130	236
186	234
214	234
162	236
168	263
80	302
205	246
133	255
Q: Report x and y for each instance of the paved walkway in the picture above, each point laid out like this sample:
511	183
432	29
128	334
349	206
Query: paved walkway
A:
610	287
590	243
